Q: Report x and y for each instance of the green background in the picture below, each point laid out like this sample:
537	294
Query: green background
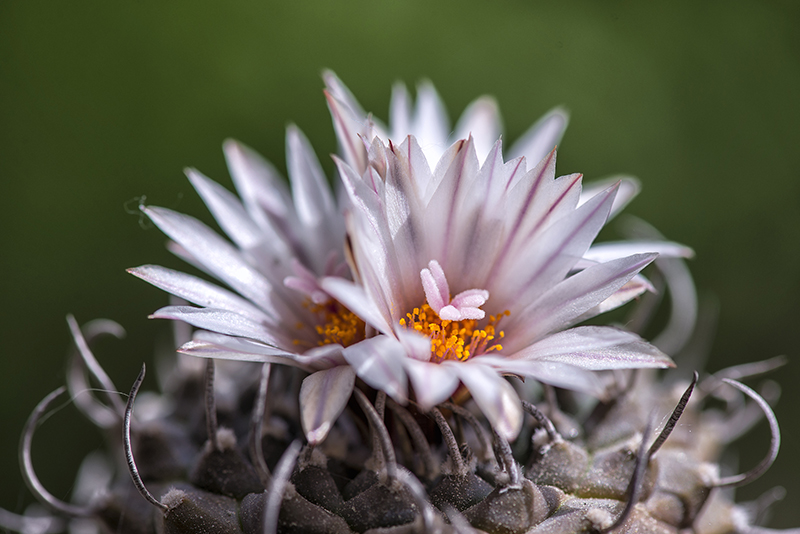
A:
104	102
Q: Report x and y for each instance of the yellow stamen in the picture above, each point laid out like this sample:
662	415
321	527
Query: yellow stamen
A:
454	340
337	324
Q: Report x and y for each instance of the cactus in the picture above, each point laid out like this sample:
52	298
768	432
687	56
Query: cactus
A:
233	461
557	430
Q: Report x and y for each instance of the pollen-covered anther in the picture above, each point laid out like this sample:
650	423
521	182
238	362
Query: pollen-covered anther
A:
337	324
455	340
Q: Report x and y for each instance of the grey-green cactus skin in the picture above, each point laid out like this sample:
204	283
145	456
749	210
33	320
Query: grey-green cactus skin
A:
593	472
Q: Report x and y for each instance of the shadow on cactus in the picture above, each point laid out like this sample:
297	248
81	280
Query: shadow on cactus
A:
412	354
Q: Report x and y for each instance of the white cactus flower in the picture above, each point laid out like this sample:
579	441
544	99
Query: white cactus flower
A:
478	271
512	244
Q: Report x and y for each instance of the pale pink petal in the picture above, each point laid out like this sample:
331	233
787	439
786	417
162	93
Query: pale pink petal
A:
216	320
354	298
608	251
431	125
494	176
306	283
542	137
362	194
596	348
306	287
390	238
379	165
582	338
516	208
467	312
183	254
334	266
447	210
559	248
323	397
312	196
481	120
407	175
433	383
629	291
417	346
556	374
213	345
227	210
377	270
260	185
324	356
378	362
554	200
313	200
198	291
493	394
410	175
562	304
487	227
204	349
347	126
217	256
337	88
629	187
400	112
331	355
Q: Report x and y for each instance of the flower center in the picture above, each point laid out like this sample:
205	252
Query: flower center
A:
455	340
336	324
340	325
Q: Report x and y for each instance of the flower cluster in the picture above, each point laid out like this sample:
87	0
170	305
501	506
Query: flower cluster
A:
446	266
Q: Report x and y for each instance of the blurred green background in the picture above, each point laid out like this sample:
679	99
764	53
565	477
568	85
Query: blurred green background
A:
104	102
